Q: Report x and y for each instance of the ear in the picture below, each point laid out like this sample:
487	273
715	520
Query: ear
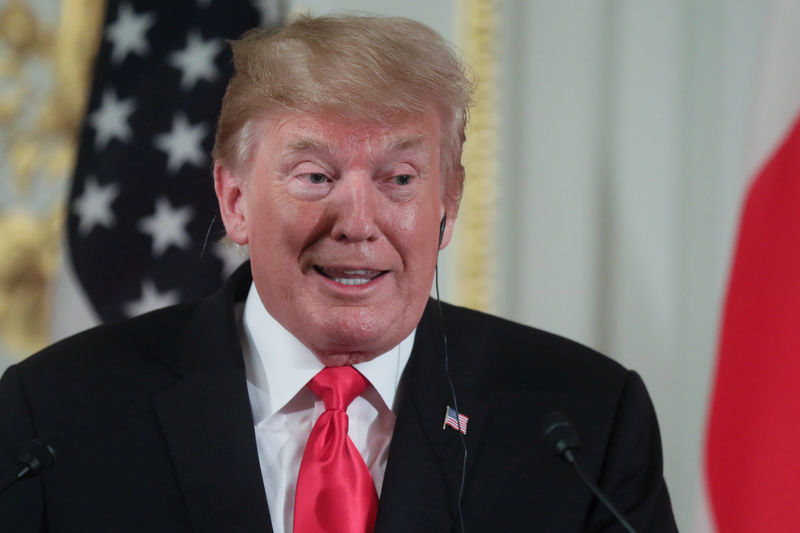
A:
232	207
448	230
450	202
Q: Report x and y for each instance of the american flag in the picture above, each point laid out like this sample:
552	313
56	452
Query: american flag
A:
455	420
143	224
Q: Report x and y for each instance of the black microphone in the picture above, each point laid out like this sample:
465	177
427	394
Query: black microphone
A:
562	437
35	458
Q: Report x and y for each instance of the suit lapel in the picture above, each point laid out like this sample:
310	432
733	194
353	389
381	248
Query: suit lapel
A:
423	474
207	422
209	433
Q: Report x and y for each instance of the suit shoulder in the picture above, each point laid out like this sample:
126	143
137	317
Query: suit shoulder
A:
141	337
525	355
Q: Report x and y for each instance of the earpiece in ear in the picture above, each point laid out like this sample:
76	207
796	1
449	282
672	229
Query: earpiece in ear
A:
442	224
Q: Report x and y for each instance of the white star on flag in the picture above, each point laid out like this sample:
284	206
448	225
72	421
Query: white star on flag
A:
231	254
110	120
196	61
269	11
93	207
182	144
127	33
167	226
150	299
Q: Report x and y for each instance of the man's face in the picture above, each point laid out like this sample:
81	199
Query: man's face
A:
342	220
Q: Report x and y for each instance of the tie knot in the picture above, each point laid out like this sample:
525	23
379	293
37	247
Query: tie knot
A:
338	386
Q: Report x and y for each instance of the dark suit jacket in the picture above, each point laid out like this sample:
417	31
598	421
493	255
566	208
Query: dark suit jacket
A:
153	425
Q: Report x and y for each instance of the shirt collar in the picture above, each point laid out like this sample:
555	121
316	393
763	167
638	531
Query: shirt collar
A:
279	366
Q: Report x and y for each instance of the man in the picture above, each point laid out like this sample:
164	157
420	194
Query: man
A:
310	394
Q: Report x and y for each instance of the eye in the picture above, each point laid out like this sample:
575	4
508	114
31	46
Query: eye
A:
403	179
317	178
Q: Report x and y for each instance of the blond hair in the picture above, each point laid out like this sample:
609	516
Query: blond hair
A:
357	67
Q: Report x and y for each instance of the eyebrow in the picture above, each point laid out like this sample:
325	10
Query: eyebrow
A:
405	143
307	143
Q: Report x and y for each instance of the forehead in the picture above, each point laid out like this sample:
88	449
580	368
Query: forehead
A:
296	132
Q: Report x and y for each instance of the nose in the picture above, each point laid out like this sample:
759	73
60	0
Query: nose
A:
355	209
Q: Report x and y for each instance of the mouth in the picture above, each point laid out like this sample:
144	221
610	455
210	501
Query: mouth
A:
349	277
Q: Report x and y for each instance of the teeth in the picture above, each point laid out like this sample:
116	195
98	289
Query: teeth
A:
352	281
360	276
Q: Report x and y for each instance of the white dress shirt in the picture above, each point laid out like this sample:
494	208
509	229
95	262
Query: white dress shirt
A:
278	368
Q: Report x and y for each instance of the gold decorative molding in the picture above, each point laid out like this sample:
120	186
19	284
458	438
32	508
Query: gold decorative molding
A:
478	30
45	69
27	263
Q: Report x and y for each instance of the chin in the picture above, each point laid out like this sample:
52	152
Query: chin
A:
344	359
359	336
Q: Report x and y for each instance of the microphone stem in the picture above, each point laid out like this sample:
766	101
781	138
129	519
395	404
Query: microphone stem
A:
601	497
6	483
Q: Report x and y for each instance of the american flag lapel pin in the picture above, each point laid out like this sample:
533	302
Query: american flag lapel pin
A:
455	420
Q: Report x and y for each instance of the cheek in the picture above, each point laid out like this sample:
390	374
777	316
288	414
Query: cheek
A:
277	218
411	222
418	233
420	224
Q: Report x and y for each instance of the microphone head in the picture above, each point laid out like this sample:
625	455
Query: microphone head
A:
560	435
38	456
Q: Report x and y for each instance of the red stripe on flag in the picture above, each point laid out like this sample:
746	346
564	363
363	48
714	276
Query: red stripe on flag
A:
753	444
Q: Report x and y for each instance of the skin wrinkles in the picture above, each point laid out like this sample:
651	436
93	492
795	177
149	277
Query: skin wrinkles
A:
309	144
321	200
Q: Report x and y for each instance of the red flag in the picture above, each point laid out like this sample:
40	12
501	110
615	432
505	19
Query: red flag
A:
753	442
753	447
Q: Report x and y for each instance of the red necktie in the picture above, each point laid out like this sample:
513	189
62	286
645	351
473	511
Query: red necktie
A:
335	493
